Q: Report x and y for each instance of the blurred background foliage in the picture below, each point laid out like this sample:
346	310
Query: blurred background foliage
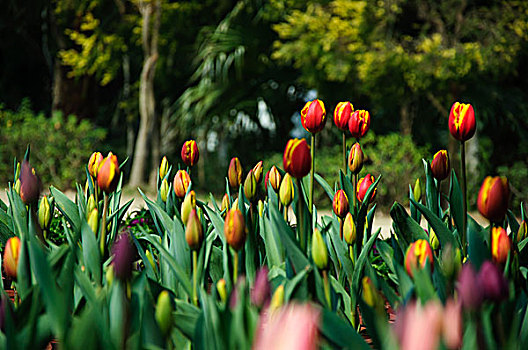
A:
233	74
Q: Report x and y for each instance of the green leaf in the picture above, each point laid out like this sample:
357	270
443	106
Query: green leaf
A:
442	232
431	192
358	271
409	228
326	187
478	251
339	333
91	252
68	208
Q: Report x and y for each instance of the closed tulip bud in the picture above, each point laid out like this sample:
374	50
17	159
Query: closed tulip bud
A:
500	245
189	203
164	312
491	280
90	205
190	153
319	250
297	160
11	256
277	300
29	184
225	203
164	190
17	186
417	191
340	204
342	114
44	213
250	186
261	291
349	229
234	173
313	116
416	256
362	187
440	165
521	233
371	296
150	259
286	192
468	289
359	123
462	122
123	252
181	183
355	158
221	289
194	231
493	198
93	220
260	207
109	275
94	162
273	177
108	174
433	240
164	168
257	171
235	229
235	204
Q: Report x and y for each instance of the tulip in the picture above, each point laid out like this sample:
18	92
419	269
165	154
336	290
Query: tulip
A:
17	186
468	289
313	116
93	220
421	326
462	122
44	213
90	205
194	231
440	165
108	174
164	168
433	240
235	229
521	233
190	153
257	171
371	296
29	184
163	313
416	256
340	204
342	114
181	183
221	289
93	163
123	252
164	190
362	187
286	192
150	259
452	324
234	173
277	299
250	186
11	256
417	191
319	250
349	229
260	207
297	159
261	291
189	203
273	177
355	158
359	123
493	197
500	245
492	282
225	203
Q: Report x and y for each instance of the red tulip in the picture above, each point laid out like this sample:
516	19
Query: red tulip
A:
440	165
493	197
342	114
234	173
297	160
11	255
313	116
108	174
190	153
181	183
340	204
29	183
500	245
355	158
363	185
462	122
359	123
416	256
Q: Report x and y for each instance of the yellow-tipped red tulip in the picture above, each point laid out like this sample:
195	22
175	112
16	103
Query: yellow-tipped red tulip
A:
362	187
313	116
164	167
297	159
493	198
500	245
190	153
440	165
416	256
108	174
181	183
273	177
194	231
250	186
235	229
462	122
257	171
342	114
359	123
355	158
234	173
340	204
11	255
93	163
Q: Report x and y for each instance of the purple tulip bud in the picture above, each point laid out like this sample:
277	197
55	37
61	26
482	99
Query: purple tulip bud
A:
261	294
29	184
469	292
492	282
123	252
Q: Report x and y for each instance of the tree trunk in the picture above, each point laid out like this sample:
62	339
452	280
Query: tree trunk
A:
405	120
147	103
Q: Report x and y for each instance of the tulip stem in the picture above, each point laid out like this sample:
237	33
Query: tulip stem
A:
285	210
195	276
355	191
312	171
327	288
464	194
340	227
351	253
235	267
344	154
300	219
103	225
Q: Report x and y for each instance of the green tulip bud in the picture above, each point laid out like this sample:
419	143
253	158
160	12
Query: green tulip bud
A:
319	250
277	299
521	234
286	191
93	220
250	186
17	186
164	168
221	289
164	190
189	203
44	213
433	239
150	259
260	207
109	275
164	312
417	191
91	205
194	231
349	229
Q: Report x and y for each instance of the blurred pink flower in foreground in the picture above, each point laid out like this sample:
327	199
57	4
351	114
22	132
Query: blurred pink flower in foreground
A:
294	326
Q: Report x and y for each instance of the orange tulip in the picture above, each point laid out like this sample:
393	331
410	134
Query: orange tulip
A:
235	229
493	197
417	254
108	174
500	245
11	255
181	183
